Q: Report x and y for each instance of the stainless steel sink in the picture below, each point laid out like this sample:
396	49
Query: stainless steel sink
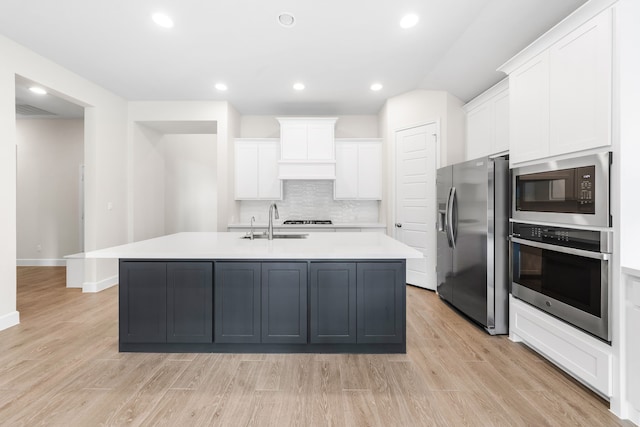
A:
277	236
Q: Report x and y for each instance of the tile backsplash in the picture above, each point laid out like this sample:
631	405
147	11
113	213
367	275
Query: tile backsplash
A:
311	199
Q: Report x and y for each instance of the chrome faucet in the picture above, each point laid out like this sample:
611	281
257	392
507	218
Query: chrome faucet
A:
271	210
253	218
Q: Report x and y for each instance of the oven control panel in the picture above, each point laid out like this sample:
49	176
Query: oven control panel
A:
561	236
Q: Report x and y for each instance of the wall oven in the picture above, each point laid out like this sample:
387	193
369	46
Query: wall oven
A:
571	191
565	272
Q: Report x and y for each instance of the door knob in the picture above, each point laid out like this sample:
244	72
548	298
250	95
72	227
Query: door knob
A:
398	225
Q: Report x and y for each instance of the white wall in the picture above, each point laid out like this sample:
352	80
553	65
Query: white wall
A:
8	314
413	109
146	206
626	203
190	183
105	138
50	153
227	120
629	89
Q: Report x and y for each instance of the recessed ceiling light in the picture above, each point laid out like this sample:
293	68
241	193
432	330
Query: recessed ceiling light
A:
409	21
162	20
286	19
376	87
298	86
221	86
38	90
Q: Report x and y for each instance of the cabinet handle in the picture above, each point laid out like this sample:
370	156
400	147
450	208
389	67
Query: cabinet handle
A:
398	225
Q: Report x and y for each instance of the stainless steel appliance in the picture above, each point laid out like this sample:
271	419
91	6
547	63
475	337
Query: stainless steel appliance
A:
571	191
472	260
308	222
565	272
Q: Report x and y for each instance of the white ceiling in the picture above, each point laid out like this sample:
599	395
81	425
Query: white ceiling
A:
337	47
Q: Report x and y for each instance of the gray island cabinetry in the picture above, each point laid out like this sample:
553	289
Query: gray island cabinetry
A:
165	302
221	292
262	306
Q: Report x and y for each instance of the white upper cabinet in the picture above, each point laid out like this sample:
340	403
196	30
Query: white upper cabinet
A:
560	99
529	110
488	122
501	126
358	169
256	169
580	88
307	138
308	148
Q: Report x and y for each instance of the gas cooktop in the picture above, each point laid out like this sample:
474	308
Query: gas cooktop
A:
308	221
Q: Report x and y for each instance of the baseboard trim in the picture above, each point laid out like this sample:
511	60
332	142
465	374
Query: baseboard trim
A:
41	262
9	320
92	287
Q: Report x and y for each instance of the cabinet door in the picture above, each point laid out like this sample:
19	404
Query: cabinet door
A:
633	352
237	302
284	302
529	110
580	88
293	139
332	303
370	170
246	170
480	130
381	302
320	140
143	302
269	186
346	184
189	302
501	126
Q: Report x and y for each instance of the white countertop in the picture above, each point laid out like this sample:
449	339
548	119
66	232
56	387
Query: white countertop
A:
202	245
308	226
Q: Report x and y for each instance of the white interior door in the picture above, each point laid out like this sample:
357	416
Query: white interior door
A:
415	211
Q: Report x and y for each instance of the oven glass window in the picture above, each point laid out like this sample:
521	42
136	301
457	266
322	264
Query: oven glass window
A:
571	279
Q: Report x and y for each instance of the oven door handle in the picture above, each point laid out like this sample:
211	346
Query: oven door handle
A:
563	249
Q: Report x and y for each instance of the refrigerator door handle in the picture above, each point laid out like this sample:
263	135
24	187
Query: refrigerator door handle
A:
449	218
454	216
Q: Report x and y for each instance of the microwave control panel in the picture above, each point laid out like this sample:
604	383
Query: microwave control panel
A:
586	184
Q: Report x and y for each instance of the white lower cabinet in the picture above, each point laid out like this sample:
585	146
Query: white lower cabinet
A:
587	359
256	169
358	169
631	279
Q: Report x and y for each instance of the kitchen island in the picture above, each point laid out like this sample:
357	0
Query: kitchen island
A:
220	292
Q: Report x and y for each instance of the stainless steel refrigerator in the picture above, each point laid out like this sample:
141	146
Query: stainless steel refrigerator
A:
473	259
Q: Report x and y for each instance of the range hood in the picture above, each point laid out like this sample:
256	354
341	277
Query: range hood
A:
307	148
307	169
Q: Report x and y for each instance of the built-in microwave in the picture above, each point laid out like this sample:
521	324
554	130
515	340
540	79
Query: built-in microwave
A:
571	191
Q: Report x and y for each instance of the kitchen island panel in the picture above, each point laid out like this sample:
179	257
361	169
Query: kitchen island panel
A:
237	302
190	302
381	302
332	302
143	302
284	302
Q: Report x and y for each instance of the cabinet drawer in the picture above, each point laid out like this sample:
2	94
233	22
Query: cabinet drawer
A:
584	357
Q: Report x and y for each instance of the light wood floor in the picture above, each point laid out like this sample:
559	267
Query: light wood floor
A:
61	366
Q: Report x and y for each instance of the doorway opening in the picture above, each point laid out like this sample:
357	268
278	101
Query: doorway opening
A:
49	181
174	178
